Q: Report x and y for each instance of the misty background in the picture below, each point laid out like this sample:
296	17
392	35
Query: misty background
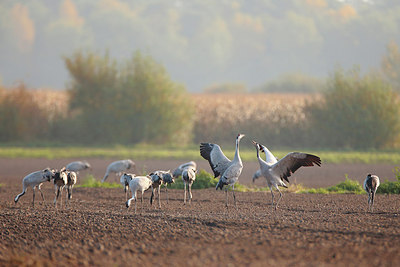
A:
200	43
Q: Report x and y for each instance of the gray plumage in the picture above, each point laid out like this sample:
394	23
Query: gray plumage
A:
125	179
269	158
256	175
178	171
35	179
160	178
118	167
371	184
229	170
77	166
60	181
188	177
278	172
138	183
72	178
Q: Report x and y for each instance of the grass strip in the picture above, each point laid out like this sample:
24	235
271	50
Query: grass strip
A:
206	180
143	152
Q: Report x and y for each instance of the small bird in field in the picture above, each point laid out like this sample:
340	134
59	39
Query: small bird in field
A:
371	184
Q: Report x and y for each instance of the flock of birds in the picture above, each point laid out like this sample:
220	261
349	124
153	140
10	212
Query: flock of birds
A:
275	171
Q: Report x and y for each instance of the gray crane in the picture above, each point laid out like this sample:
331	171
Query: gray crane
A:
371	184
188	177
118	167
77	166
229	170
278	172
178	171
269	158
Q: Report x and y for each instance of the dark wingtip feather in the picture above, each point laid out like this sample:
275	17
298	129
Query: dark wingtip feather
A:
315	159
310	160
205	151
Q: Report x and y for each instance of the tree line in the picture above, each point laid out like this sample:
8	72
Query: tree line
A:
136	101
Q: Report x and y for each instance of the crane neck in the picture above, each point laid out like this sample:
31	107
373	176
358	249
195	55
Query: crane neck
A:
260	160
237	156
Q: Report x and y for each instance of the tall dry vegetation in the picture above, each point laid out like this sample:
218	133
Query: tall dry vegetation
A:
275	119
21	118
354	112
347	118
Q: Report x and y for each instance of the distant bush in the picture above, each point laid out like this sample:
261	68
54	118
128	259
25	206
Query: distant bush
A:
356	112
390	65
226	88
21	118
203	180
126	103
388	187
293	83
90	181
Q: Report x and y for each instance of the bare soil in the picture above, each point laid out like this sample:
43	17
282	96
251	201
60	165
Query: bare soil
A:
98	230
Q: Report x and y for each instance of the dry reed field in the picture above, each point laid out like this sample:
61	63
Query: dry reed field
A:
215	108
51	101
218	117
244	107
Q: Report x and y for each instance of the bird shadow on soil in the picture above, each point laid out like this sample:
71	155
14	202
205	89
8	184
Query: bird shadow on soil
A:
379	213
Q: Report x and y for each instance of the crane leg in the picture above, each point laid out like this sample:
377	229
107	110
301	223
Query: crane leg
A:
184	194
279	199
159	199
226	194
41	193
272	195
33	201
234	197
190	193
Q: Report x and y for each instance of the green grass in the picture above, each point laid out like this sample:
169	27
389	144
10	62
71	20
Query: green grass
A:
90	181
348	186
388	187
142	152
203	180
207	180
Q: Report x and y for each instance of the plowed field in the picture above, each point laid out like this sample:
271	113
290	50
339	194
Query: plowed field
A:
98	230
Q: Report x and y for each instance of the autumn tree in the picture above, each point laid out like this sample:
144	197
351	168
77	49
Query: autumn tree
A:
391	65
356	112
130	102
21	118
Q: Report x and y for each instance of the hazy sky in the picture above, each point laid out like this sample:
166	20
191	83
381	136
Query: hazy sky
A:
200	42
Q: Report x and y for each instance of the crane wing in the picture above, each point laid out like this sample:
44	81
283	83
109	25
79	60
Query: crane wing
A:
217	159
188	164
292	162
178	171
